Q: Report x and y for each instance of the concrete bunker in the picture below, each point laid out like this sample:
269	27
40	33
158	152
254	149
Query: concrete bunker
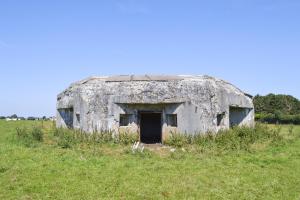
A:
154	106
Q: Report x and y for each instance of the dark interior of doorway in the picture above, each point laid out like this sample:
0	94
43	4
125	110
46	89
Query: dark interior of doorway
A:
150	127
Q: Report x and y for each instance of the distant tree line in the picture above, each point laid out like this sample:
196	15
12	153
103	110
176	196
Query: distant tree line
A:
282	109
14	116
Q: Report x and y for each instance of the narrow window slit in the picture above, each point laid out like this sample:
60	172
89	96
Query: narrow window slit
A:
172	120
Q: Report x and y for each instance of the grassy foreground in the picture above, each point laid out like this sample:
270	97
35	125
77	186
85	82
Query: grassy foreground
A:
50	170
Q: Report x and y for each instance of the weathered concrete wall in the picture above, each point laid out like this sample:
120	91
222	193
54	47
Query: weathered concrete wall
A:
197	101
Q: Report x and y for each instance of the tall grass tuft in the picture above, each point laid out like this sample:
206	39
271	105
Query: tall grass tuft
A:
30	136
66	138
37	133
179	140
126	138
291	129
238	138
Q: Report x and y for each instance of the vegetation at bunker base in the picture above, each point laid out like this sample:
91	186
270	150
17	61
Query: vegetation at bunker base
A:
238	138
212	167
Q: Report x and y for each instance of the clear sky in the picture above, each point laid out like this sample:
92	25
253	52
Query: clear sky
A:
46	45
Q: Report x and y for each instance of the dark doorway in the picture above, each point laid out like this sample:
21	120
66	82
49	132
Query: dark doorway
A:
150	127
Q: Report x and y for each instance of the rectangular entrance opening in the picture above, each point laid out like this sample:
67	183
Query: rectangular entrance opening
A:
237	115
67	115
150	127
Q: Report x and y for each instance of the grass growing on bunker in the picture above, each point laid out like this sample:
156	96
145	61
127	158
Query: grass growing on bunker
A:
236	166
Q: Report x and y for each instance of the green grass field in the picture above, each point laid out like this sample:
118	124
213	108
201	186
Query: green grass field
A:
110	171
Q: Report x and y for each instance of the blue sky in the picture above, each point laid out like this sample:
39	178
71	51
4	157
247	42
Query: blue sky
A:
46	45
